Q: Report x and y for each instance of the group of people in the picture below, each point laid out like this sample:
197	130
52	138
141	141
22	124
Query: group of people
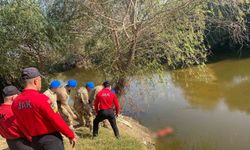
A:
34	120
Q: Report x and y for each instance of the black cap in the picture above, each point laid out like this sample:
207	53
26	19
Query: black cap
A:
10	91
106	84
30	73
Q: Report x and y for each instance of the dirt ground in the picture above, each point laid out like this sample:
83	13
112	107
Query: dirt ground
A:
135	129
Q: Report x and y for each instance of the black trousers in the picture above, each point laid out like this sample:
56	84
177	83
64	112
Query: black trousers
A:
102	115
52	141
19	144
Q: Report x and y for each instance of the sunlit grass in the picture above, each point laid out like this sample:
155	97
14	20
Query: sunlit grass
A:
105	141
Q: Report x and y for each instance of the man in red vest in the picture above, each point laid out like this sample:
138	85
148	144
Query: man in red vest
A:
104	102
35	116
9	128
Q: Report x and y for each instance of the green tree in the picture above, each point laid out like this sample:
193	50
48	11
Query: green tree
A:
28	37
121	38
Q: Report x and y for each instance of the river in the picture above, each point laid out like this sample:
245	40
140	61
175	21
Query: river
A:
208	107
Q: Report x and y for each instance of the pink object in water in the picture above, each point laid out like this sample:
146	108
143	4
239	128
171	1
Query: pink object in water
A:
164	132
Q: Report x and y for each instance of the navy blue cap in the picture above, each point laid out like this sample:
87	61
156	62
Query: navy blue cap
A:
30	73
106	84
10	91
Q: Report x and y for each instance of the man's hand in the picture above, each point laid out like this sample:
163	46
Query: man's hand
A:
117	115
74	116
72	142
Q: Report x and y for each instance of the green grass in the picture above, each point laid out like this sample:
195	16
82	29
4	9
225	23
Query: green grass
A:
105	141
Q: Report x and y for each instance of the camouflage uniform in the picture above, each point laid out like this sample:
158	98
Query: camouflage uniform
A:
93	94
63	106
53	97
83	108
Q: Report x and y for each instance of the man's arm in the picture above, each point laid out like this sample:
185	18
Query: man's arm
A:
91	98
67	107
94	93
96	103
55	119
84	96
64	102
116	103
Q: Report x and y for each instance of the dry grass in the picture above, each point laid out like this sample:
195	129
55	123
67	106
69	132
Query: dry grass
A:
105	141
133	137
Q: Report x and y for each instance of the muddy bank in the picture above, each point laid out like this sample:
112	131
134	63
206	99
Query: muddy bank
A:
135	129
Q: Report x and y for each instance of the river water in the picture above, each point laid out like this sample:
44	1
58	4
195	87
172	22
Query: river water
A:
208	107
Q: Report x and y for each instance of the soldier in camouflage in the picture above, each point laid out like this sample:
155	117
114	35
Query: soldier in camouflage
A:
83	103
83	108
51	93
63	96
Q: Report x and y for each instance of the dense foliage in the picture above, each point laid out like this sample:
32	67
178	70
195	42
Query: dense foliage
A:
119	37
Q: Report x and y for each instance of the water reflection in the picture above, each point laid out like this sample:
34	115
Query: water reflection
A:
81	75
205	86
200	86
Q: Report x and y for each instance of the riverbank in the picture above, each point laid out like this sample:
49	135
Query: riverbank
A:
134	136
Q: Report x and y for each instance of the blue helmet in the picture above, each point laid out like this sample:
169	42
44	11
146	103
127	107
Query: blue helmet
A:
90	85
72	83
55	84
